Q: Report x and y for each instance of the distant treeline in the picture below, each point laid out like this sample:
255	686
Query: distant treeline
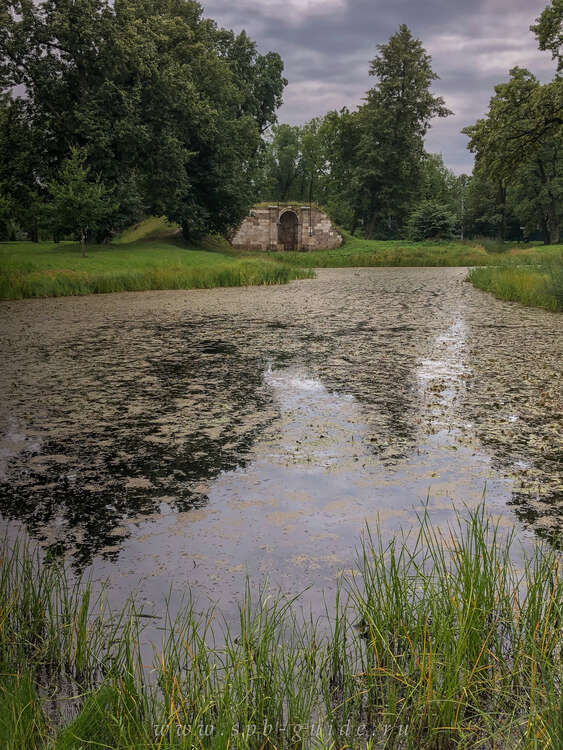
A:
112	111
369	167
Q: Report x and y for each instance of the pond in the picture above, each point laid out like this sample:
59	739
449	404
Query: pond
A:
186	439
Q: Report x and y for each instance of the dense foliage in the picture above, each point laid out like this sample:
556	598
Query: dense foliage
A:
175	117
368	167
430	220
518	147
370	170
168	109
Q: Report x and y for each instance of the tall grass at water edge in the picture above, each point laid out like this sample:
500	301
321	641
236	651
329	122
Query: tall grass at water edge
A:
536	281
53	270
439	640
65	283
151	255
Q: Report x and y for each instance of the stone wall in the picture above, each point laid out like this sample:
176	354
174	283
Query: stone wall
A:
260	230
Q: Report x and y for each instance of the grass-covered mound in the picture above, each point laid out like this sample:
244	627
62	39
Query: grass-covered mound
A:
438	641
148	256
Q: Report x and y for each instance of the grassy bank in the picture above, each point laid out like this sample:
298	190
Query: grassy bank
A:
532	275
437	642
359	253
149	256
533	278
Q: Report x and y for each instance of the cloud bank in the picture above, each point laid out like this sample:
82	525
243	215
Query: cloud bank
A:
326	46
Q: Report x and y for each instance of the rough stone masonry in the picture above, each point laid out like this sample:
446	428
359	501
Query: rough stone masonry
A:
288	227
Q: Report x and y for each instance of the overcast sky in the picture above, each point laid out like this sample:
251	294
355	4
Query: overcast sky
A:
326	46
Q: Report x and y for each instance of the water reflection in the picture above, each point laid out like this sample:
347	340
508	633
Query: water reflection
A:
296	512
180	421
361	390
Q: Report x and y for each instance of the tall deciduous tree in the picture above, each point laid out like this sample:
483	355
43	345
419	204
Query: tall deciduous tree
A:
343	191
21	165
537	190
313	157
549	31
511	144
155	93
282	163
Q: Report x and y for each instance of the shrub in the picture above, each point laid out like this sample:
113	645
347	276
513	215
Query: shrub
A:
430	219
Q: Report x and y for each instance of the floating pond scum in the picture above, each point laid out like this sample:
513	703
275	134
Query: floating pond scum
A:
220	455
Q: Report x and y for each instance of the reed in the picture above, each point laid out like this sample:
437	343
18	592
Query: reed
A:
440	639
15	285
531	285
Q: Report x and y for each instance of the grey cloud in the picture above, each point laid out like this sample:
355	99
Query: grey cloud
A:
326	46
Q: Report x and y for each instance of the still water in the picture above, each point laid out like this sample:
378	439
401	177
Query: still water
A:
186	439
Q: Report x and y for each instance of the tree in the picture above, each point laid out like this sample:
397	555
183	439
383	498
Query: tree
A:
78	202
313	157
282	162
21	167
549	30
156	94
483	214
438	183
344	193
537	191
511	136
431	220
394	121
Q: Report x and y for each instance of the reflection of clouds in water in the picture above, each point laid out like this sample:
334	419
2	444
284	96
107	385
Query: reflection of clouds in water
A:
170	396
450	362
281	380
294	388
441	377
317	426
295	513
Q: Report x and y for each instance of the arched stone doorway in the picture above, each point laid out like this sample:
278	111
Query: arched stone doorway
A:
288	230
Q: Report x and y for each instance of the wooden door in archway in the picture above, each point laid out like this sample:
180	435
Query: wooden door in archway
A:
287	231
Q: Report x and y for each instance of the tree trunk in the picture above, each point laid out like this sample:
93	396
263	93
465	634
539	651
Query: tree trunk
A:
370	231
554	223
354	224
501	198
83	242
545	231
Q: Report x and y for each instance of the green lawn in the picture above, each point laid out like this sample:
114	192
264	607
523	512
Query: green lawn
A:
359	252
152	255
156	259
41	257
